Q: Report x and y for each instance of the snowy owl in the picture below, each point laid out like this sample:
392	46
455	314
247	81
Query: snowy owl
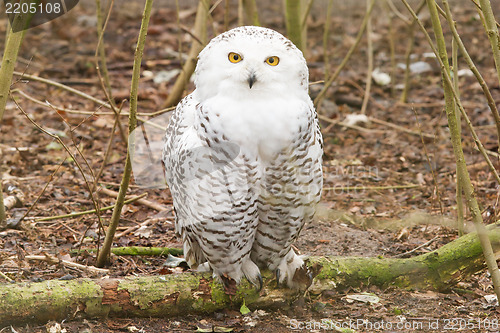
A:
242	158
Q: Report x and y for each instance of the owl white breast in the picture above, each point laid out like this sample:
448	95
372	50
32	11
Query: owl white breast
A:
242	157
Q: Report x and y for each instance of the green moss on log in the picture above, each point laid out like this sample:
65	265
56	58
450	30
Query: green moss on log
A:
188	293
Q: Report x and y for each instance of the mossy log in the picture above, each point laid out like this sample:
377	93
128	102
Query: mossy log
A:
178	294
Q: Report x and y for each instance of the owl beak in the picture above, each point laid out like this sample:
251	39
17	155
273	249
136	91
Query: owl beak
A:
251	79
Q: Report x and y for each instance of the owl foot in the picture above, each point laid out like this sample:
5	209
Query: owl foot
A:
293	270
229	285
252	273
261	283
303	277
205	267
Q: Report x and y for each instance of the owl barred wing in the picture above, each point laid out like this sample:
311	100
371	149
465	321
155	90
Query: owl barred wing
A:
242	156
213	188
179	140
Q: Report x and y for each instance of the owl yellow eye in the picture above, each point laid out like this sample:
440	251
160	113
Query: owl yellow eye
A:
234	57
273	61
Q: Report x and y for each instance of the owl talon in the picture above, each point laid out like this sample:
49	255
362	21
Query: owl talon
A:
277	273
229	285
261	283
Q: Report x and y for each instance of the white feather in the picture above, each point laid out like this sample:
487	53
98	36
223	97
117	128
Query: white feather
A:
243	157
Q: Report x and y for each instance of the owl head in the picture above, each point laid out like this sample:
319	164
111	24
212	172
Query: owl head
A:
250	61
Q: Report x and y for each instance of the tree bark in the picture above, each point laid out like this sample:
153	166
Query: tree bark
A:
200	32
293	24
188	293
102	257
12	45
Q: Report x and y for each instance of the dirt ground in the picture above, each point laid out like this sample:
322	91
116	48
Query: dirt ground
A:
354	219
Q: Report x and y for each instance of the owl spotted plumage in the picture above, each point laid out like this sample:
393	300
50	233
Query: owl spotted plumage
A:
242	157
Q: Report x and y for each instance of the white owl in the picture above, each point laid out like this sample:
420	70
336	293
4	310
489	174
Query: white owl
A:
243	157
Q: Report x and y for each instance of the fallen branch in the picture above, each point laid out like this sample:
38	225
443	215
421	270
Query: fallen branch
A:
102	104
85	212
400	128
12	201
6	277
85	112
138	226
188	293
138	251
343	124
145	202
54	261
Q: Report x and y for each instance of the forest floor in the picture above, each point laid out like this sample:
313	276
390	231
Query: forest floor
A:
353	219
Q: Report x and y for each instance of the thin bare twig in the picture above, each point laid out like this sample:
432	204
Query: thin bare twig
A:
200	30
456	97
492	33
102	69
132	124
458	190
61	142
86	212
396	11
95	201
392	48
54	261
333	77
451	97
78	93
86	112
5	277
478	6
359	128
434	178
417	248
473	68
303	22
326	35
43	190
369	51
107	154
63	86
401	128
409	50
145	202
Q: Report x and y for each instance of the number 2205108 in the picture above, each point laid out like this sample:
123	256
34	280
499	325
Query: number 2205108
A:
454	324
32	8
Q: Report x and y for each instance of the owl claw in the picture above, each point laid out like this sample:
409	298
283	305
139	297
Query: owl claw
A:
303	277
277	272
229	285
261	283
